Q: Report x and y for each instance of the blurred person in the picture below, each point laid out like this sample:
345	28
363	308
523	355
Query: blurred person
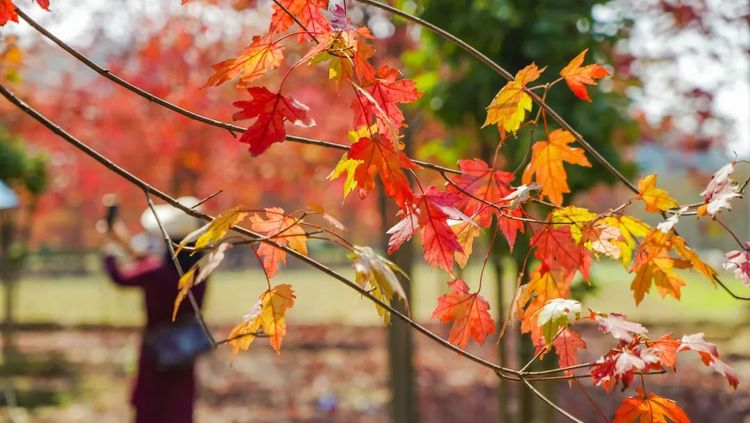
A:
162	392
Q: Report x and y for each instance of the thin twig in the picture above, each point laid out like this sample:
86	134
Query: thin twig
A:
233	129
308	260
180	271
508	76
549	402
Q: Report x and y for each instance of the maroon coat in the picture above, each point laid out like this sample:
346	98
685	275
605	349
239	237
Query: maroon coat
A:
158	396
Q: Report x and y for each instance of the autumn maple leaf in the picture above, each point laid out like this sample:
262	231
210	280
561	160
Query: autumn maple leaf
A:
508	108
576	75
8	10
739	262
215	230
546	164
377	274
654	264
308	12
567	344
430	213
271	110
468	312
347	53
541	288
261	56
556	249
388	92
199	273
268	315
655	199
719	191
486	185
377	155
282	229
649	408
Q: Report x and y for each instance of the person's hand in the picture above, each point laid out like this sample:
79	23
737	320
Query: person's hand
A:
115	238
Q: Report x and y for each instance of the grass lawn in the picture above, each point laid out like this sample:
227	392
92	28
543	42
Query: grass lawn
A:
321	300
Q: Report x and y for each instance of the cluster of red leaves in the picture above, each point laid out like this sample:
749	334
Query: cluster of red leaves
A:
8	10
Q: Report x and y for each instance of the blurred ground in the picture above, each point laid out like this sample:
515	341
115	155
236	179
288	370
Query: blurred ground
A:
333	366
334	373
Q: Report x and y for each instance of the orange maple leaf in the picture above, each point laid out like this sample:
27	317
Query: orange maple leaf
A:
380	157
546	164
468	312
656	199
651	408
544	285
261	56
576	75
282	229
654	264
268	316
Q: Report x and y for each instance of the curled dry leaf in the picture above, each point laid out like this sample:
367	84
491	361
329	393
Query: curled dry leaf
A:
377	272
199	273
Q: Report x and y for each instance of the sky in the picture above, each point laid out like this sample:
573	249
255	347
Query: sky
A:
720	63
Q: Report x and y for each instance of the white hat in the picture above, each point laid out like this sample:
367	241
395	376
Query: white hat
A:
176	222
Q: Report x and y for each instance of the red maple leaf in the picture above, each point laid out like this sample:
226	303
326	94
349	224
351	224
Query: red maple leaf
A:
308	12
7	12
430	213
567	344
557	250
468	312
388	92
379	156
490	185
271	110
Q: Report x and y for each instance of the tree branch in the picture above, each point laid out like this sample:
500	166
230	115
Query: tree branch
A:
134	180
233	129
508	76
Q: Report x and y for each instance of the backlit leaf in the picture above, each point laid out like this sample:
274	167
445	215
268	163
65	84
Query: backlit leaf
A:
270	111
577	76
508	108
546	166
469	313
268	316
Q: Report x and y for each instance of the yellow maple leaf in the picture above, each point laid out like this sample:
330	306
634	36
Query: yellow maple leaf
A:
215	230
465	234
629	228
268	315
656	199
348	167
508	108
547	158
574	217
